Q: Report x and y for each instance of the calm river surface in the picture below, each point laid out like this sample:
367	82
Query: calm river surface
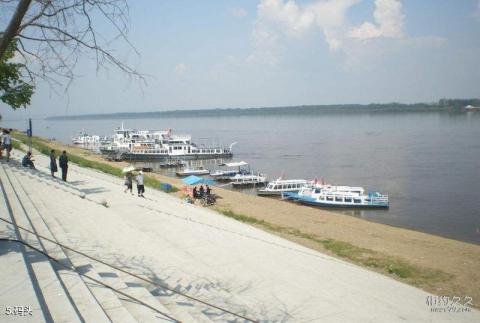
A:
428	163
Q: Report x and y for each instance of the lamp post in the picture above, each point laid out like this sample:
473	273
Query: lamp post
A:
29	134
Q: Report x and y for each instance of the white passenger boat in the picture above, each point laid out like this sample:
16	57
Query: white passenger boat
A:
240	180
159	145
339	196
85	139
279	186
231	169
191	171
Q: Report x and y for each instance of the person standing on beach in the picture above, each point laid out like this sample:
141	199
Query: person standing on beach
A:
53	163
128	182
63	163
140	186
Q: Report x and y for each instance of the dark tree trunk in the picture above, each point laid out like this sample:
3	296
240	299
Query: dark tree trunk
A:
14	25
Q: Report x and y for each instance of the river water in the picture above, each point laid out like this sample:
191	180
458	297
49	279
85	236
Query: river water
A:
428	163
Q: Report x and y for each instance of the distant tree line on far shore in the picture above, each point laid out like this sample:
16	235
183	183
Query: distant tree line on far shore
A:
441	105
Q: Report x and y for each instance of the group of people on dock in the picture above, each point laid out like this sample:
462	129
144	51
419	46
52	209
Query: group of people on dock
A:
129	177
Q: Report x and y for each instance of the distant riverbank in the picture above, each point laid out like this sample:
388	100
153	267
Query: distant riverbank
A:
439	265
453	105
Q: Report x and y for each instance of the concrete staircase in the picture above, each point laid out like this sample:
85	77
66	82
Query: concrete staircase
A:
64	295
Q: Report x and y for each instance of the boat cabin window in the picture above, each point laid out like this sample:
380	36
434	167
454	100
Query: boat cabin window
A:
348	199
317	190
338	199
329	198
357	201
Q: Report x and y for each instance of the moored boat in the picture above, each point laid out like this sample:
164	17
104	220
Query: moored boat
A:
240	180
279	186
231	169
339	196
191	171
144	145
85	139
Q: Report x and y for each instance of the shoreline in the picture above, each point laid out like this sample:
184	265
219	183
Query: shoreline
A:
436	264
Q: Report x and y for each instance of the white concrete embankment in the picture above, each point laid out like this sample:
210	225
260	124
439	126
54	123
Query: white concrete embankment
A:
215	258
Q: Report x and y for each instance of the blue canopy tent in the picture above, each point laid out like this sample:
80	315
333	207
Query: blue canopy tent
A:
194	180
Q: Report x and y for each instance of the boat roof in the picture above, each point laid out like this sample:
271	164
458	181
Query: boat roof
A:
344	188
286	181
236	164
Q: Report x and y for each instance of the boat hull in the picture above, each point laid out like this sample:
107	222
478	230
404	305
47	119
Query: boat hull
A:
130	156
342	206
314	202
273	193
191	173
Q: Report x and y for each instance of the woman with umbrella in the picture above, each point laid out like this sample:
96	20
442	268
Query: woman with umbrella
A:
128	178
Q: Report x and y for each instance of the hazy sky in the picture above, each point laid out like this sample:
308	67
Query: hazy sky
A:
245	53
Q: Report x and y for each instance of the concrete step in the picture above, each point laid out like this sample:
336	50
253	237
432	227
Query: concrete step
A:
16	287
81	296
140	312
106	298
109	301
51	292
183	308
201	290
42	176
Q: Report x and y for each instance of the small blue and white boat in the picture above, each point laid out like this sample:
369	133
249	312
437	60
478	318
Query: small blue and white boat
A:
338	196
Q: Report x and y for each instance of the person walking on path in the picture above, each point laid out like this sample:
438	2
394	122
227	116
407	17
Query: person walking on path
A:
63	163
53	163
7	143
140	186
128	182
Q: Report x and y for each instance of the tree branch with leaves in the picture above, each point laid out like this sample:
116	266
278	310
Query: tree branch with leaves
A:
49	37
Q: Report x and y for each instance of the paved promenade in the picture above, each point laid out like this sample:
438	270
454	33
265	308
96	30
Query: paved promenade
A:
189	248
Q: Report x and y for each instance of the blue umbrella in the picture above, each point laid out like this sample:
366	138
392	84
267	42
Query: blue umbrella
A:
194	180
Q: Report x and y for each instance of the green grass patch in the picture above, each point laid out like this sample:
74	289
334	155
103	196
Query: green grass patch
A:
248	219
415	275
45	149
17	145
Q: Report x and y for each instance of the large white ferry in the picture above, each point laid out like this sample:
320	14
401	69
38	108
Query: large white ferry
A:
339	196
141	145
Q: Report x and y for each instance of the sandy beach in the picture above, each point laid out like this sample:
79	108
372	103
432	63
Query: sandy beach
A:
456	262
